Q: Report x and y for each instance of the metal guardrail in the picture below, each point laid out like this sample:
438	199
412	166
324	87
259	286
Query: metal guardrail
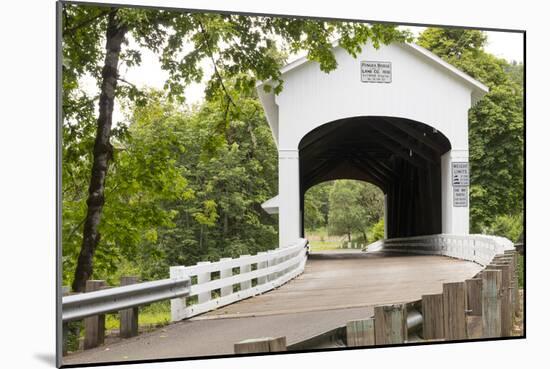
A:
84	305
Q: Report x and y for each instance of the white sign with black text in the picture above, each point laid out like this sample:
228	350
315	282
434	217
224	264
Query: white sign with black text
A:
460	197
376	72
461	173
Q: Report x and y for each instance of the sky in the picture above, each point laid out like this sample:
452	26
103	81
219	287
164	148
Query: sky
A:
506	45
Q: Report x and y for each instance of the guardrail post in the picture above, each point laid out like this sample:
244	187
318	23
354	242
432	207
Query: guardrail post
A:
65	331
473	287
203	278
177	306
505	298
360	333
245	268
129	317
255	345
433	323
262	265
390	324
94	326
454	310
491	318
514	281
226	273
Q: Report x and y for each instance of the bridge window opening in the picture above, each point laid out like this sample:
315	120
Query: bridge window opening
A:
401	157
342	214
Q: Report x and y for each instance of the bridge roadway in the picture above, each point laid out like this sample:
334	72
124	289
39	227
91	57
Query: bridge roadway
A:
335	288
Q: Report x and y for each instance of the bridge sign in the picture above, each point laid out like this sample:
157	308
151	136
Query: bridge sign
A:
461	174
375	72
460	197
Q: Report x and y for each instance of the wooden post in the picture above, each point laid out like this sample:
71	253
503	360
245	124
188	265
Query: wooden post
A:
390	324
433	324
514	282
94	326
266	344
65	331
226	273
454	311
262	265
129	317
505	299
245	268
491	317
360	333
473	288
204	278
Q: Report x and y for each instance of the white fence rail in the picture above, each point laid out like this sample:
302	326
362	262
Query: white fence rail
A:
477	248
256	274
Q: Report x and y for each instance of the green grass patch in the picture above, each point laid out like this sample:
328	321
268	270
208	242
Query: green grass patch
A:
324	245
154	315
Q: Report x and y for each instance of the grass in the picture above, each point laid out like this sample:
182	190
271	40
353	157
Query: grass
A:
324	245
151	316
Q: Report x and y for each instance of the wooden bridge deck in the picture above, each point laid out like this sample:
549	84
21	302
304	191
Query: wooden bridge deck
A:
333	289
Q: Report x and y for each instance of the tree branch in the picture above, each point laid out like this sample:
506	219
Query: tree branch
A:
215	64
84	23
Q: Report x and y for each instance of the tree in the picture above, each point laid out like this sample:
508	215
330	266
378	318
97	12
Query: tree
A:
316	206
496	124
239	47
354	207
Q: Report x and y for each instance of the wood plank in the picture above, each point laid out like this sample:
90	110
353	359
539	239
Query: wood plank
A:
129	317
94	326
433	325
390	324
454	310
360	332
505	299
492	280
256	345
473	288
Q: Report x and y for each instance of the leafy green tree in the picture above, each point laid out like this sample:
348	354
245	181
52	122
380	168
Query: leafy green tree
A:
377	231
240	47
354	207
496	126
316	206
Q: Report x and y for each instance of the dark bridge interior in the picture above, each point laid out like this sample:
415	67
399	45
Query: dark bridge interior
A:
400	156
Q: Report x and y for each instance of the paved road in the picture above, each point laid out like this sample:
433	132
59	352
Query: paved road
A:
335	288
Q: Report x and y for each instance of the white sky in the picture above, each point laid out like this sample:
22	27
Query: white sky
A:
506	45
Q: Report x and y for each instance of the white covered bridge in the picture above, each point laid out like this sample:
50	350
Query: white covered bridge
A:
396	117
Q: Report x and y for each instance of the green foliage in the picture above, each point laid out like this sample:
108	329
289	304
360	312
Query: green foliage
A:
509	226
354	206
496	126
182	186
316	206
376	232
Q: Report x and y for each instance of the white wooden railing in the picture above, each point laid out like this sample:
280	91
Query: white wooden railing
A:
256	274
477	248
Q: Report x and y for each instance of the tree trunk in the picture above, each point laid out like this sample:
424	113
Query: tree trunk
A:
365	236
102	153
